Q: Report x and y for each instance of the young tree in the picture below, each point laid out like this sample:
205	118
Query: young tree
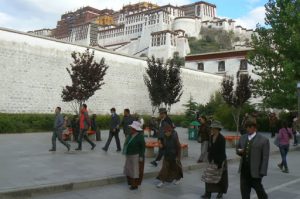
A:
87	77
174	82
276	54
238	97
191	109
163	81
155	80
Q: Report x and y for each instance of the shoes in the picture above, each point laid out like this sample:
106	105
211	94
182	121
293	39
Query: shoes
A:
118	150
159	185
68	147
285	170
206	196
279	166
133	187
78	149
199	161
104	149
176	182
52	150
94	145
154	163
295	144
219	196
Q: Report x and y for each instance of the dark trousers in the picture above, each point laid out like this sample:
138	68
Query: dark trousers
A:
284	149
83	134
273	131
247	182
111	135
57	134
295	137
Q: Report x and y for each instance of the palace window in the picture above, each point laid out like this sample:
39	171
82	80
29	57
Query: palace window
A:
221	66
243	64
201	66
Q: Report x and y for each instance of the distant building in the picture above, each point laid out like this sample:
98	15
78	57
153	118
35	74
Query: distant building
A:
42	32
73	19
221	63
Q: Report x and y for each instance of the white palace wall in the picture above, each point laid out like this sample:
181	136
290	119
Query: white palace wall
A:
33	73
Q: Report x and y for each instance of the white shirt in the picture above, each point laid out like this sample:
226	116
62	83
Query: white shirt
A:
250	137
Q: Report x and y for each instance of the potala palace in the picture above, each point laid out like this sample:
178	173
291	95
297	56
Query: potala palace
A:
33	65
144	29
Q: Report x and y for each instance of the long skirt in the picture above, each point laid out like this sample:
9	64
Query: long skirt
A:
134	170
220	187
171	170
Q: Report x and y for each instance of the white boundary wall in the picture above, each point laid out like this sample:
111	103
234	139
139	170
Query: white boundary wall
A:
33	73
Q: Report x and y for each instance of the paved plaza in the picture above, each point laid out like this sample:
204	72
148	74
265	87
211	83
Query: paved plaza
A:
278	185
26	163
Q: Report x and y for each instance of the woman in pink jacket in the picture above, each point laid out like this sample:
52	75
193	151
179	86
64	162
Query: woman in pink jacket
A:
284	136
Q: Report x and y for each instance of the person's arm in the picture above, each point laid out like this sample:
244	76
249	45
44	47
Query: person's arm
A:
142	148
60	122
265	158
117	122
178	155
239	149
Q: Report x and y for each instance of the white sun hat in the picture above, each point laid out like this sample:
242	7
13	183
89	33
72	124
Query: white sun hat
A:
136	125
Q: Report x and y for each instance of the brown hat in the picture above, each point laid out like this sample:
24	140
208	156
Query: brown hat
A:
162	110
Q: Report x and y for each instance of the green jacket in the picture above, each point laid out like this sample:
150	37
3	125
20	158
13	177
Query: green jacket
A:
135	145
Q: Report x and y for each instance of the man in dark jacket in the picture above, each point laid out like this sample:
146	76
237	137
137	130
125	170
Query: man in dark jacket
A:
254	150
114	130
58	129
164	121
127	120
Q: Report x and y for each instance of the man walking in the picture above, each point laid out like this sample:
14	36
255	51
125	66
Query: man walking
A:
85	124
127	120
164	121
114	130
254	151
58	129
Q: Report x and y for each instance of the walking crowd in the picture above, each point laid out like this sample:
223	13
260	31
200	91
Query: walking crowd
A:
252	147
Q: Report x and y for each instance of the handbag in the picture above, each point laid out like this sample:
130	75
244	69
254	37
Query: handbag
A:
212	173
276	141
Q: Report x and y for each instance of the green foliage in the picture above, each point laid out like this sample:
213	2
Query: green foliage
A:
191	109
202	46
276	54
87	77
210	108
21	123
236	98
163	81
213	40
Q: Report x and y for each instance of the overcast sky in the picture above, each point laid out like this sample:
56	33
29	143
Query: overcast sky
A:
28	15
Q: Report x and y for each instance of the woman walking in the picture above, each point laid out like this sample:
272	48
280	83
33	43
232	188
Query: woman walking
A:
204	138
134	149
171	170
284	136
216	159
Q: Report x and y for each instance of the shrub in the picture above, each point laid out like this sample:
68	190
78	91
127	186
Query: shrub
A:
21	123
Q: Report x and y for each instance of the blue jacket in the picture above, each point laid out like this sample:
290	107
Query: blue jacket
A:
58	122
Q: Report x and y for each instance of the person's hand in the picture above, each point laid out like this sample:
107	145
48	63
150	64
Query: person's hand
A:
240	151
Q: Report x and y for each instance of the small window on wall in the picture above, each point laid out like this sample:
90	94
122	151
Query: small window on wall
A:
201	66
244	64
221	66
